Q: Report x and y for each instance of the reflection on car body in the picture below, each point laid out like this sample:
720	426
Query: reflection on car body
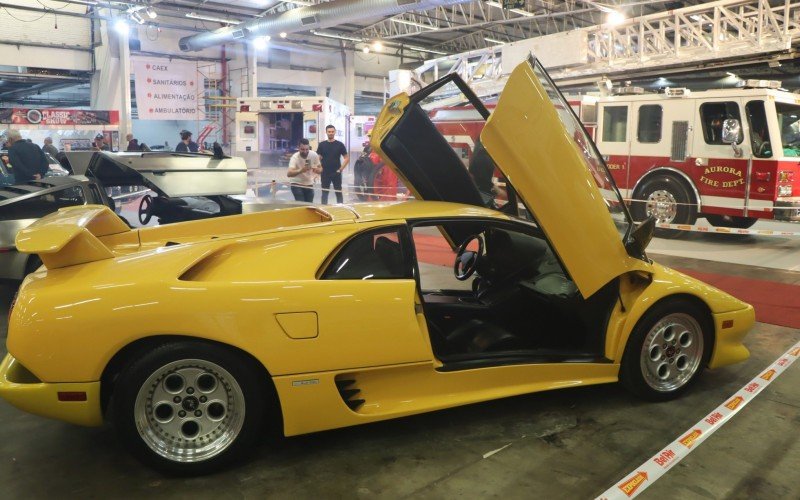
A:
326	317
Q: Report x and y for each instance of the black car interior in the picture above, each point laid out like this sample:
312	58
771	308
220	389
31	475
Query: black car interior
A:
522	305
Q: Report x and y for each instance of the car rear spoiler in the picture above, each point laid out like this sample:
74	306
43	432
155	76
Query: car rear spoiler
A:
71	235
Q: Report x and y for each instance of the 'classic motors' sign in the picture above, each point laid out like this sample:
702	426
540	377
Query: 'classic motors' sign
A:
168	90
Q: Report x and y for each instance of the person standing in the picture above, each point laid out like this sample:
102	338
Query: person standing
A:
49	148
26	158
303	165
187	145
100	143
332	152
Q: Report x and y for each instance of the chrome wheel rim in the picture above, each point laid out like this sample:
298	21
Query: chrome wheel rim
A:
663	205
189	410
672	352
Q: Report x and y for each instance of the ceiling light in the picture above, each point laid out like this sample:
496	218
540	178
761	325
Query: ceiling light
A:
85	2
193	15
283	34
731	74
121	26
151	12
260	43
521	12
492	40
301	3
615	18
377	46
414	23
696	17
365	49
337	37
425	49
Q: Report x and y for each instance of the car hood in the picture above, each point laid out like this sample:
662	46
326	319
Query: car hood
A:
173	175
541	158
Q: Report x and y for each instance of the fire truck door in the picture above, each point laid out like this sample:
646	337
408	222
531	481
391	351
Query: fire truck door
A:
719	172
614	141
311	128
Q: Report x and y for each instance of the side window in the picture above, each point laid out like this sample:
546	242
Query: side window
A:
759	131
712	116
615	123
649	128
39	206
371	256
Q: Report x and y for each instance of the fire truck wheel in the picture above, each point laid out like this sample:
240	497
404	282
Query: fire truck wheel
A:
730	221
669	200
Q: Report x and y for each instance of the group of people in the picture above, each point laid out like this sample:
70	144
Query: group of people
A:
328	162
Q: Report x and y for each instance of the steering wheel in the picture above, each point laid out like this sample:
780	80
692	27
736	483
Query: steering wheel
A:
467	260
145	212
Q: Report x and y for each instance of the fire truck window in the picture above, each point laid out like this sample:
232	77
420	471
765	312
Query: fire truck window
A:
789	125
649	129
712	116
615	123
759	132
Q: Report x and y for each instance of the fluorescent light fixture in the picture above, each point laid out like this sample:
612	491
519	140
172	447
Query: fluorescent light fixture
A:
414	23
85	2
337	37
615	18
731	74
201	17
283	34
521	12
425	49
696	17
121	26
492	40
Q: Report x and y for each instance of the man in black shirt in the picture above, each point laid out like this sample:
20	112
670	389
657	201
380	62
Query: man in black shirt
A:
26	158
331	153
187	145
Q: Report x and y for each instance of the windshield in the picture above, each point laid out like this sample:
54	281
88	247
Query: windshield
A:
789	124
592	159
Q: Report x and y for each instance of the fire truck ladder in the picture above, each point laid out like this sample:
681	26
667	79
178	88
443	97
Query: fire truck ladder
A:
724	33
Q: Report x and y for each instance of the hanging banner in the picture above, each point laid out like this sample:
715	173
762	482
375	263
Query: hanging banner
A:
56	117
168	90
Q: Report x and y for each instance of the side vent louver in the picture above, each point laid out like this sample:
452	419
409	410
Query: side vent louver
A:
348	391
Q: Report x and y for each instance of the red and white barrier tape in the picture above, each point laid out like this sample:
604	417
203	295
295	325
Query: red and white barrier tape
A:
727	230
655	467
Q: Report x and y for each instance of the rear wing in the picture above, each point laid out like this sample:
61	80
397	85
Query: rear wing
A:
71	235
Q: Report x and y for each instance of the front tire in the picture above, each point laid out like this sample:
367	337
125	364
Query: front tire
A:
190	408
667	351
668	200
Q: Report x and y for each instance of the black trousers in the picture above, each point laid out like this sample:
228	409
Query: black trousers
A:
336	179
303	193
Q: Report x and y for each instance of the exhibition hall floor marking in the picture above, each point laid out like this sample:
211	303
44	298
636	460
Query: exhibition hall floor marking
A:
655	467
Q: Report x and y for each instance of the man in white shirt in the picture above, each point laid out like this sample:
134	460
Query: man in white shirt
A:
303	166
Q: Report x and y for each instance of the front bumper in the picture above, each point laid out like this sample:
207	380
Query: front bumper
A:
22	389
787	209
731	328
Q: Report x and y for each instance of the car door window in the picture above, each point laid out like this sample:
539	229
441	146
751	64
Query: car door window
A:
372	255
712	117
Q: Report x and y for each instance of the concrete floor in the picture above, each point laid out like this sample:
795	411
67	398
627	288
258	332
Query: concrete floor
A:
571	443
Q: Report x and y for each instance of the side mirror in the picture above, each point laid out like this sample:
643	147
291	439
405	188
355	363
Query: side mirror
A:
731	130
640	238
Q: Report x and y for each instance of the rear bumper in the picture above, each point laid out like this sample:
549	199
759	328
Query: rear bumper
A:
731	328
22	389
787	210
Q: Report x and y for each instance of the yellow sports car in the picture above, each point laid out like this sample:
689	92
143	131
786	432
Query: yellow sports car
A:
195	338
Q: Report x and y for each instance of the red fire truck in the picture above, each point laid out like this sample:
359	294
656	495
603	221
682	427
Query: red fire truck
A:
731	156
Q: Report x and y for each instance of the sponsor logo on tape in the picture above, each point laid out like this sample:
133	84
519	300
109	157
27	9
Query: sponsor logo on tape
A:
657	465
689	439
734	403
630	486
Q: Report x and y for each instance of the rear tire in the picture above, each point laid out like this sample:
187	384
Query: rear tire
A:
669	200
667	351
730	221
190	407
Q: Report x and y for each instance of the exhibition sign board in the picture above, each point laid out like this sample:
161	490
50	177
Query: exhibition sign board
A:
168	90
57	117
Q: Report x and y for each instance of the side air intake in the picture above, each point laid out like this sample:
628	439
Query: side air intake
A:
349	393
